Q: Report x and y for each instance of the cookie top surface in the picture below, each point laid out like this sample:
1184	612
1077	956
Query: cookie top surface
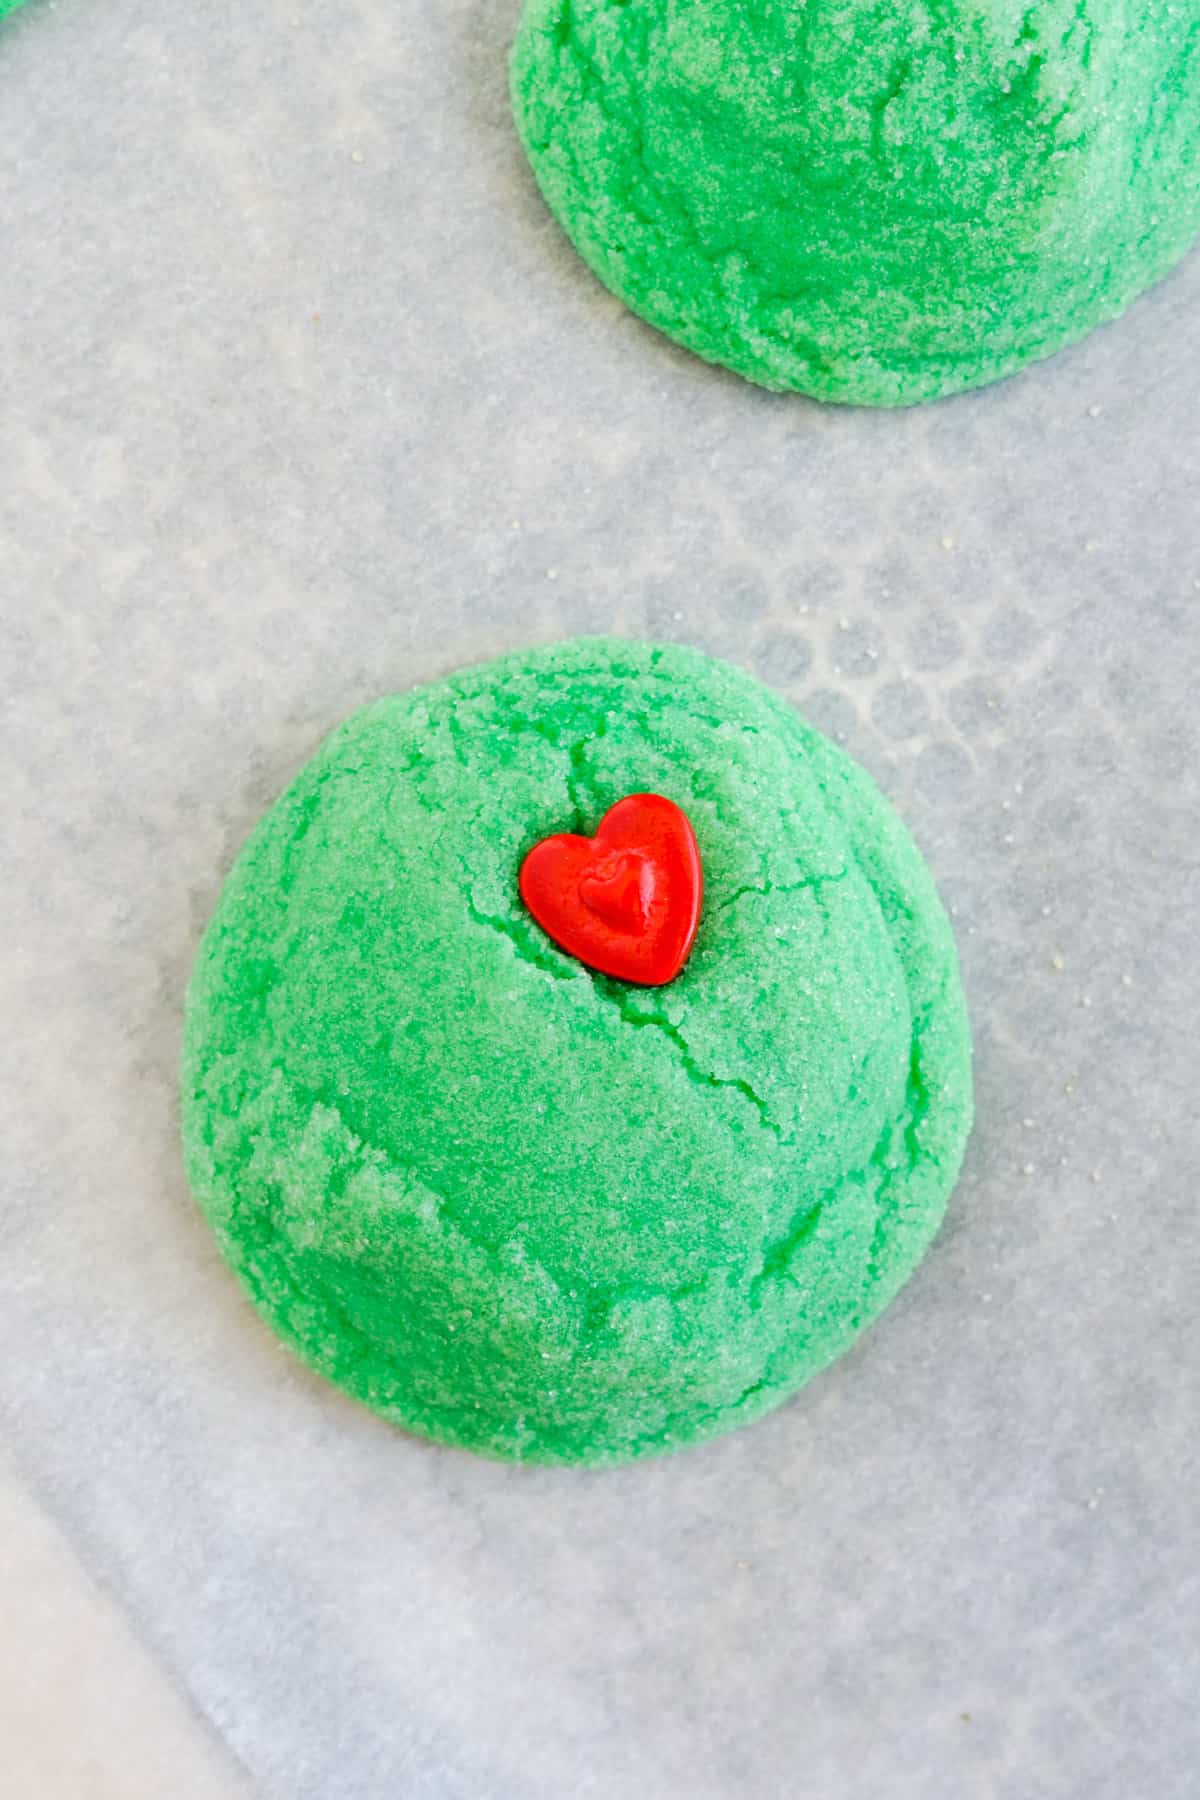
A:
875	201
530	1209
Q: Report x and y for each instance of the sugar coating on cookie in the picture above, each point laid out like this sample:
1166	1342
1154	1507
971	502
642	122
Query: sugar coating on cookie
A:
876	201
525	1208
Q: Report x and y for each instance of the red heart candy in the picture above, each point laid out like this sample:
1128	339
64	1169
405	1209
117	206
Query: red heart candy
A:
627	901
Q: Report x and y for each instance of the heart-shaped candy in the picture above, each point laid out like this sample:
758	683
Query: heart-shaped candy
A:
627	901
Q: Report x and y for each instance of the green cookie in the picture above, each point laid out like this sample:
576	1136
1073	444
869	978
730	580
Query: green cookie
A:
876	201
524	1208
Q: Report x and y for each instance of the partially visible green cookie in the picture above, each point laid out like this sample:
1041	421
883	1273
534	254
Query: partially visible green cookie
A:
877	201
524	1208
7	6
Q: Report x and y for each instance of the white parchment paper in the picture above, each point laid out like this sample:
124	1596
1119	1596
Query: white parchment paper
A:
306	399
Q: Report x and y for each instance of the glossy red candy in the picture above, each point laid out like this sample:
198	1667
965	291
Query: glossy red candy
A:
627	901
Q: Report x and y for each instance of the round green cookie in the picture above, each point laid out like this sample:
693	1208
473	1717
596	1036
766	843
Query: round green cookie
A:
524	1208
876	201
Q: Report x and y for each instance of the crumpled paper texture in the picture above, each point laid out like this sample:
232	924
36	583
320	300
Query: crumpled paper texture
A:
307	399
